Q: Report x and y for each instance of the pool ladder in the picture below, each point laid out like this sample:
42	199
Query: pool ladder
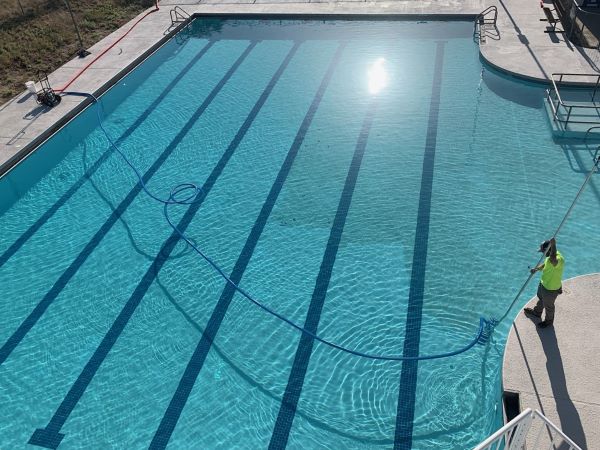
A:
485	25
178	16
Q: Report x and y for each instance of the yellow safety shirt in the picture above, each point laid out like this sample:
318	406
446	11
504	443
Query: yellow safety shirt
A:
552	275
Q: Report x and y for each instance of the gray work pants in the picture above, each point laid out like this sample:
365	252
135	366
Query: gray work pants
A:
546	301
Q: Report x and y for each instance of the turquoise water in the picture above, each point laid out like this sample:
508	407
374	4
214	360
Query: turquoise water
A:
79	243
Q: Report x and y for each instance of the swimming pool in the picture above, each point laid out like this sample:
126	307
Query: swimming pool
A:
371	180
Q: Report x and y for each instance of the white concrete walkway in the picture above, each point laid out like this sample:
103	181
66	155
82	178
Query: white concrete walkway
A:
557	370
521	46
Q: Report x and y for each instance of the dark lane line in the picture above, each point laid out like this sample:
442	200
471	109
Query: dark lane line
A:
264	389
66	276
291	396
50	436
403	438
171	416
21	240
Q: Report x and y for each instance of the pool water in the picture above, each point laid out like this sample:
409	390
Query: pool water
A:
370	180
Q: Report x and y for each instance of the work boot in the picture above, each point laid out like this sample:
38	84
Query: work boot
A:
531	312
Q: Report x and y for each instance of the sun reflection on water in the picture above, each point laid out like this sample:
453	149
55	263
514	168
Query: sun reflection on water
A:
378	76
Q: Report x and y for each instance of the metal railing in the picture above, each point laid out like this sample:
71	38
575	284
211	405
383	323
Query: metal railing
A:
178	15
513	435
587	134
577	23
484	22
561	108
483	18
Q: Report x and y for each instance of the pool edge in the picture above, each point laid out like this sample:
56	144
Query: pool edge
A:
39	140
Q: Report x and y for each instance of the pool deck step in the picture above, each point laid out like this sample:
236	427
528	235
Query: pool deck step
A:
557	369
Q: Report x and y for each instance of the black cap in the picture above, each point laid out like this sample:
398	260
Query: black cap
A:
544	246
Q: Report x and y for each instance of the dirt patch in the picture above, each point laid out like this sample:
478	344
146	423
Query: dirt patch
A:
39	34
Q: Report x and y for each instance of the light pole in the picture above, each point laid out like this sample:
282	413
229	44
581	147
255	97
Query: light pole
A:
82	52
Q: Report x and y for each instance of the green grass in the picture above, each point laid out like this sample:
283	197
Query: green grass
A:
41	37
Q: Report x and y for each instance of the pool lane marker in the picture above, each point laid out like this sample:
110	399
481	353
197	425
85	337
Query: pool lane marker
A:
264	389
289	403
171	416
66	276
408	378
15	339
50	436
21	240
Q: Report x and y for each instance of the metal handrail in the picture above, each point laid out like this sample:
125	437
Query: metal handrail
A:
567	106
574	2
574	13
587	134
552	428
512	436
178	15
576	75
562	75
481	17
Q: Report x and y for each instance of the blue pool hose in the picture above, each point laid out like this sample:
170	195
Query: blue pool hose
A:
186	194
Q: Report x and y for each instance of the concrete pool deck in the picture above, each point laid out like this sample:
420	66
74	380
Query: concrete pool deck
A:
555	370
518	45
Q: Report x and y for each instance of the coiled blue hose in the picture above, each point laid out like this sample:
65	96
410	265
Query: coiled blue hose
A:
189	193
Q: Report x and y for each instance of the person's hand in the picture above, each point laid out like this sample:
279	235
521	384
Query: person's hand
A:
534	270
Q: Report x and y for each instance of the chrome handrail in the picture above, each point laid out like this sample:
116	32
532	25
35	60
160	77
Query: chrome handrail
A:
576	14
481	17
557	80
583	10
588	132
178	15
553	429
512	435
